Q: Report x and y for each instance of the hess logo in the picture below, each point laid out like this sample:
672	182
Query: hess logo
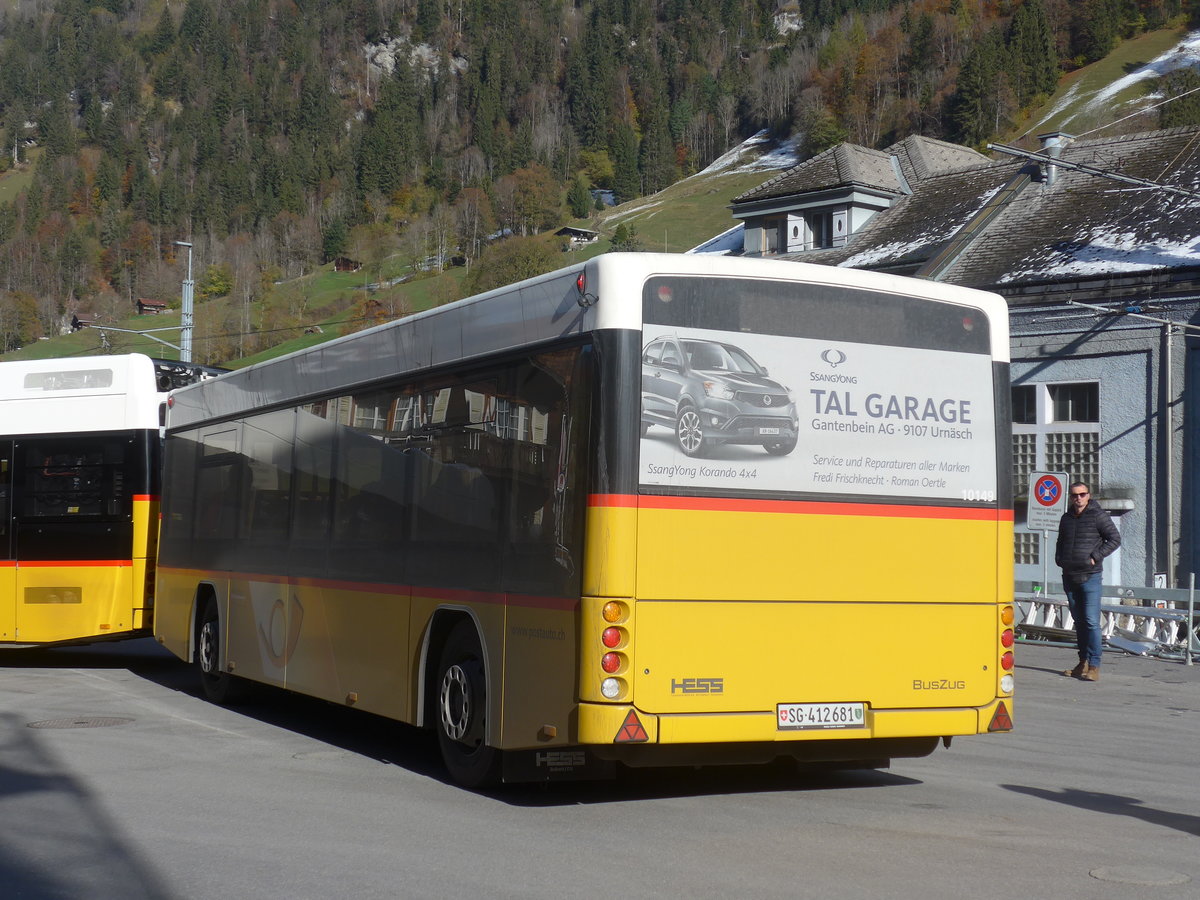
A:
698	686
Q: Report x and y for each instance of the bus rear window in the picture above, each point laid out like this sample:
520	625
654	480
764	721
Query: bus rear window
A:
75	477
81	379
775	387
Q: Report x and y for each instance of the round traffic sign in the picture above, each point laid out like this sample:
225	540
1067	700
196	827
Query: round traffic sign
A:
1048	490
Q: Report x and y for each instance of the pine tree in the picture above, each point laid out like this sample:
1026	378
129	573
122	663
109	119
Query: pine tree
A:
1186	109
970	108
626	179
1035	61
163	37
334	239
579	198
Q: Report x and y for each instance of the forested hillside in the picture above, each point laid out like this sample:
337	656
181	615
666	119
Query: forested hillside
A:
276	135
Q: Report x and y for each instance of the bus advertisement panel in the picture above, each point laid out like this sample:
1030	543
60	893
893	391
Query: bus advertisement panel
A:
832	417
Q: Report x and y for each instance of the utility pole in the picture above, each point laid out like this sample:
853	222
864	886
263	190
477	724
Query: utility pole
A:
185	321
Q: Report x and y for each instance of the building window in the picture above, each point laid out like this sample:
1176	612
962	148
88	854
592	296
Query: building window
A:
774	235
820	226
1056	428
1027	547
1024	404
1075	402
1075	452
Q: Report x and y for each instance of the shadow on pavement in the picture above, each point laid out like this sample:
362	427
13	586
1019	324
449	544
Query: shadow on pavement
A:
58	842
1113	804
414	749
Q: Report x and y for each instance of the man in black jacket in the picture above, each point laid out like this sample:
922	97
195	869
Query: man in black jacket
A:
1086	535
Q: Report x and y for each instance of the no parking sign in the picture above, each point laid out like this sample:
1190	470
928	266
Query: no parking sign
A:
1047	500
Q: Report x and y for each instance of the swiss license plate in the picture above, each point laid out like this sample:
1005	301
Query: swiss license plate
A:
768	431
819	716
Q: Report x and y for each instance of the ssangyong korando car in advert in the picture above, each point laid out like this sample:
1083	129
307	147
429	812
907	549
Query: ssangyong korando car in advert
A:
714	393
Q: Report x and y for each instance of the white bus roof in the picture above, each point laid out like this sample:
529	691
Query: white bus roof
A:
530	312
78	394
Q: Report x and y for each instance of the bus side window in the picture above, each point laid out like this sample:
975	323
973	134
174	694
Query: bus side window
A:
543	532
218	486
266	448
457	473
313	464
371	487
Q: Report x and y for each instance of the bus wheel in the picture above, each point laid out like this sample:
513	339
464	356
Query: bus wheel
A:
689	432
219	687
462	710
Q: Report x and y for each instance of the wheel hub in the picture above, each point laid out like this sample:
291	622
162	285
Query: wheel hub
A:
208	648
455	703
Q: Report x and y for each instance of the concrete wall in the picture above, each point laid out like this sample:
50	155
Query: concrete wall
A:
1127	357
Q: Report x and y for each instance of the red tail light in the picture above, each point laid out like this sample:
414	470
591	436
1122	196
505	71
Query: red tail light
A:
1006	639
1006	661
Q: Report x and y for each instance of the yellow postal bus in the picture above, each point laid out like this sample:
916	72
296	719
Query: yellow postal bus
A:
649	510
79	460
80	454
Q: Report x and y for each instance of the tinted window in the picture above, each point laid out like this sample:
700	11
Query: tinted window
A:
470	482
77	477
816	311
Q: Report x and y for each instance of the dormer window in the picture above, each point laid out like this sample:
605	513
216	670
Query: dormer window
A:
774	235
820	228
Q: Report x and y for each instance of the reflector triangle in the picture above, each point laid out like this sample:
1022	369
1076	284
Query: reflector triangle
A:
1001	720
631	731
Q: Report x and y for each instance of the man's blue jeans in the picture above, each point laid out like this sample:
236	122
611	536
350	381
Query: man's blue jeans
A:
1084	603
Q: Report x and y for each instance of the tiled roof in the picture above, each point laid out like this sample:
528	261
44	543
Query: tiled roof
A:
1084	225
921	157
840	166
1013	227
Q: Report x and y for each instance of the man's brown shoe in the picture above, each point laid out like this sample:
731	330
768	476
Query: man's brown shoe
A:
1091	673
1080	671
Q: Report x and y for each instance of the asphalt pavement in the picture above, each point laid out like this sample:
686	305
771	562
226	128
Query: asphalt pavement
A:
118	781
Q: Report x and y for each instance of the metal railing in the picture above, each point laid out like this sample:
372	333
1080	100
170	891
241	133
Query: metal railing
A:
1144	621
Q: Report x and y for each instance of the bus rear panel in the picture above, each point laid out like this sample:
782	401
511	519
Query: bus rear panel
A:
811	556
79	471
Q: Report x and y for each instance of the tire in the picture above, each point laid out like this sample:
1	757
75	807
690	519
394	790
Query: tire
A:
689	432
462	710
780	448
219	687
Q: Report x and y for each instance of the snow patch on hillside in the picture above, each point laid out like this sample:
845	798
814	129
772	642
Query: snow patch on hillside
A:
1183	55
749	156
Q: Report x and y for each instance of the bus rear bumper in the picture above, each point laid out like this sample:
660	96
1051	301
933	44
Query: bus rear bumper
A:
622	725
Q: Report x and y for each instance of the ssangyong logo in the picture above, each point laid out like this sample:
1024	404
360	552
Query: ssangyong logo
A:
834	357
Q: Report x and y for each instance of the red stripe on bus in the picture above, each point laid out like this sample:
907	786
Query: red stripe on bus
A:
801	507
153	498
70	563
612	500
445	595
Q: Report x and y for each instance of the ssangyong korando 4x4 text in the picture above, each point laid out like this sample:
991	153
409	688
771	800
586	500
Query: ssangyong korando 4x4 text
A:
714	393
